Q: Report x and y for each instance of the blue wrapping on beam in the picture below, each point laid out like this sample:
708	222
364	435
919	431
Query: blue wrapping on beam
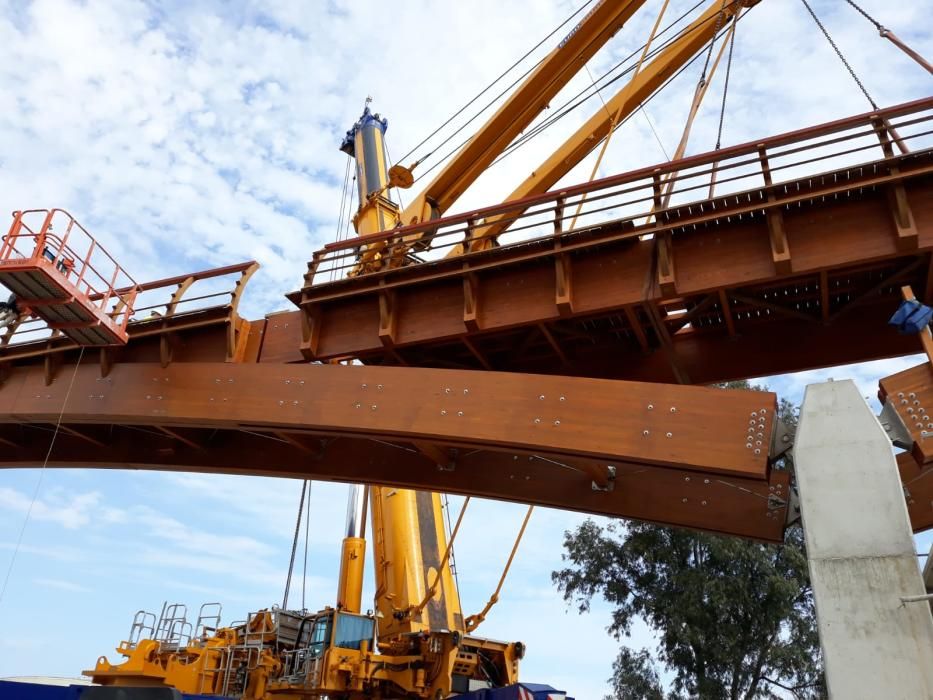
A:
911	317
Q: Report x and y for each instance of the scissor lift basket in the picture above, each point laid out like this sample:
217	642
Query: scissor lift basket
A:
59	273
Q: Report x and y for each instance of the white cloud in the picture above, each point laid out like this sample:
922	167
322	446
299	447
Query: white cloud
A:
69	511
191	135
61	585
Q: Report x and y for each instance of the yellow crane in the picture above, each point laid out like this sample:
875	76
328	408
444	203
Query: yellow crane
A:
416	643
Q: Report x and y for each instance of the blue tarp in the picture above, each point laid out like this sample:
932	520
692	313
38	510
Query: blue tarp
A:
519	691
12	690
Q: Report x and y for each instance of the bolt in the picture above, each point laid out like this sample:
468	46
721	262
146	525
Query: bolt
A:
541	398
443	413
910	410
374	407
684	500
379	387
287	381
754	413
705	481
302	382
148	396
771	488
282	403
903	402
563	398
460	413
673	409
294	403
748	445
357	405
702	503
912	395
537	420
900	394
757	452
650	407
363	385
447	390
686	478
466	391
557	422
645	433
670	435
751	422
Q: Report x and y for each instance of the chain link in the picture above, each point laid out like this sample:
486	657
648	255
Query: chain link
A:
867	16
839	54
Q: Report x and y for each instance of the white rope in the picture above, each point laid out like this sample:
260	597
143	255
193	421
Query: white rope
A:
35	493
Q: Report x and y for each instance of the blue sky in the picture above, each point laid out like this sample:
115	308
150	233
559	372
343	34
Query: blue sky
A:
192	135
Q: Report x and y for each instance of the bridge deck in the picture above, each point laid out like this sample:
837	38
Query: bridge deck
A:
658	285
759	279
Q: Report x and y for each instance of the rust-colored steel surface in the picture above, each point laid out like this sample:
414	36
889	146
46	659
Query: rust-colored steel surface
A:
806	235
793	259
681	455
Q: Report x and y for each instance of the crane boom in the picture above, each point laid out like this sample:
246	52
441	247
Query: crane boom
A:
520	108
582	142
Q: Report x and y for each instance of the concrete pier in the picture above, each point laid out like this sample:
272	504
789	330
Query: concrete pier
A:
861	551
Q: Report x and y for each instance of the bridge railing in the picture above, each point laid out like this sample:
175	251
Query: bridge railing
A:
159	305
746	178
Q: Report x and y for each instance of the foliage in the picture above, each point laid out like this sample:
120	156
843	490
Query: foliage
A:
734	619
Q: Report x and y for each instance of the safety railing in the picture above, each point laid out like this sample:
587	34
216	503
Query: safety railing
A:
825	160
158	304
53	237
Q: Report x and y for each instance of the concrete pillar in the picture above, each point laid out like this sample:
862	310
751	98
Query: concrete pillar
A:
861	551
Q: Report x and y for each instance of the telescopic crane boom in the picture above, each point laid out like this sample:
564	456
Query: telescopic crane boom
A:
521	108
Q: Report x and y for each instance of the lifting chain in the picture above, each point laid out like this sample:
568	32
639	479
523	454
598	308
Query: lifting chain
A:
725	87
878	25
839	53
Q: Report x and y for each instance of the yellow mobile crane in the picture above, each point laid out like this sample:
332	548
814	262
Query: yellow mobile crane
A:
416	643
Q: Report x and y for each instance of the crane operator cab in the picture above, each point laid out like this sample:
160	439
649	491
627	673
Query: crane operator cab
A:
327	642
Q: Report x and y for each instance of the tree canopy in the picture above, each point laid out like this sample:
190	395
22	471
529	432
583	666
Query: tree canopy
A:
734	618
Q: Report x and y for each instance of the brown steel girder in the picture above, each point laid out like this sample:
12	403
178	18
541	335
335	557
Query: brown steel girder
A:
673	455
844	254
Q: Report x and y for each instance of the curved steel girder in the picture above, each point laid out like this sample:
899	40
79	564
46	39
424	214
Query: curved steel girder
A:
698	428
549	440
729	505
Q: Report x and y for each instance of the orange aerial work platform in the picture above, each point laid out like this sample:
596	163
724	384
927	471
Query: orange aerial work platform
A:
61	274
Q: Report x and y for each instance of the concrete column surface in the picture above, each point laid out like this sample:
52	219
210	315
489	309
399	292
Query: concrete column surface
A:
861	551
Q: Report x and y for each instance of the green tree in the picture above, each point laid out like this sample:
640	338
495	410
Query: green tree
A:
734	618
